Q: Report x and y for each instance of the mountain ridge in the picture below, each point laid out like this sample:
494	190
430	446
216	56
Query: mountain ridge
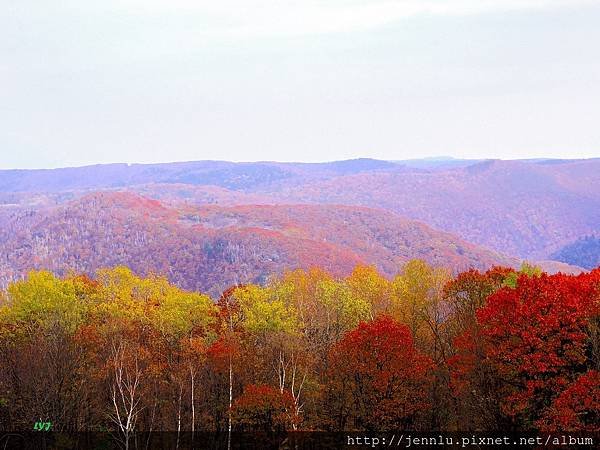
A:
211	247
526	208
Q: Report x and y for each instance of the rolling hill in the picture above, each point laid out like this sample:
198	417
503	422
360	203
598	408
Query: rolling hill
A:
529	209
584	252
211	247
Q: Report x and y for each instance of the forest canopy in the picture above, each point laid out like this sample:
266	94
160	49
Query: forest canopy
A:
426	350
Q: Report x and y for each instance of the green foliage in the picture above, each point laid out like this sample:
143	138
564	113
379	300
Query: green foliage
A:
526	269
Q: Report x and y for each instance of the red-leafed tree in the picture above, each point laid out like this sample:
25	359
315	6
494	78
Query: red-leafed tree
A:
469	291
577	408
536	338
378	378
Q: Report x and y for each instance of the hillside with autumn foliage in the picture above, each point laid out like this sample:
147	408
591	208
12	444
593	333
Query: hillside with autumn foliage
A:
210	248
207	225
425	350
528	209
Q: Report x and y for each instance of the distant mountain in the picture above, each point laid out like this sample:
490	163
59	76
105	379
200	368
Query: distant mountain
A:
352	166
237	176
211	247
527	208
437	163
584	252
225	174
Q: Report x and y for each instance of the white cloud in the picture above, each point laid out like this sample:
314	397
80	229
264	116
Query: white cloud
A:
261	18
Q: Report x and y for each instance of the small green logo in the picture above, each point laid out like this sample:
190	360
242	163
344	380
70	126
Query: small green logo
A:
42	426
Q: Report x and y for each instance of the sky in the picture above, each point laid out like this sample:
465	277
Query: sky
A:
143	81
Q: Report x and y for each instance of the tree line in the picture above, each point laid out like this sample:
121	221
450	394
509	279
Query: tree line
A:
426	350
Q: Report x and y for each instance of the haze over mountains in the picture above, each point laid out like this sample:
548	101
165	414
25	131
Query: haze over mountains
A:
208	224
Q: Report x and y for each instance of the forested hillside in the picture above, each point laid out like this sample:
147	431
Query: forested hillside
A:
425	350
584	252
526	209
209	248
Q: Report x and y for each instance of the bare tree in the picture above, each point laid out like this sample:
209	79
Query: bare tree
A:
288	375
125	391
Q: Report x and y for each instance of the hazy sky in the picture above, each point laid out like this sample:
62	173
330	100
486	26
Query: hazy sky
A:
163	80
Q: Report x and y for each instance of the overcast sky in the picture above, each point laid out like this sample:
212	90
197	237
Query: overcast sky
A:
85	82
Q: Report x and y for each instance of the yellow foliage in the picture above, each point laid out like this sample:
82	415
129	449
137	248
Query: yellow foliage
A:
45	300
263	312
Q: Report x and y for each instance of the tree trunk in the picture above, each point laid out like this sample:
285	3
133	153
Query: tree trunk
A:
230	402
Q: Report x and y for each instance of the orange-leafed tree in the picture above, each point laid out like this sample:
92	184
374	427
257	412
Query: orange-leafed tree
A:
473	381
265	408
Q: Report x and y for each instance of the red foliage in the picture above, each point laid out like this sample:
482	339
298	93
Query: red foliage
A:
577	408
264	407
467	293
220	352
535	337
377	371
464	363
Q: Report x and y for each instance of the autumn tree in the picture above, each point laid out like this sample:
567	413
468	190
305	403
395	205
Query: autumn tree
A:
41	376
378	378
577	408
150	328
419	302
264	408
536	336
473	380
275	349
368	285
